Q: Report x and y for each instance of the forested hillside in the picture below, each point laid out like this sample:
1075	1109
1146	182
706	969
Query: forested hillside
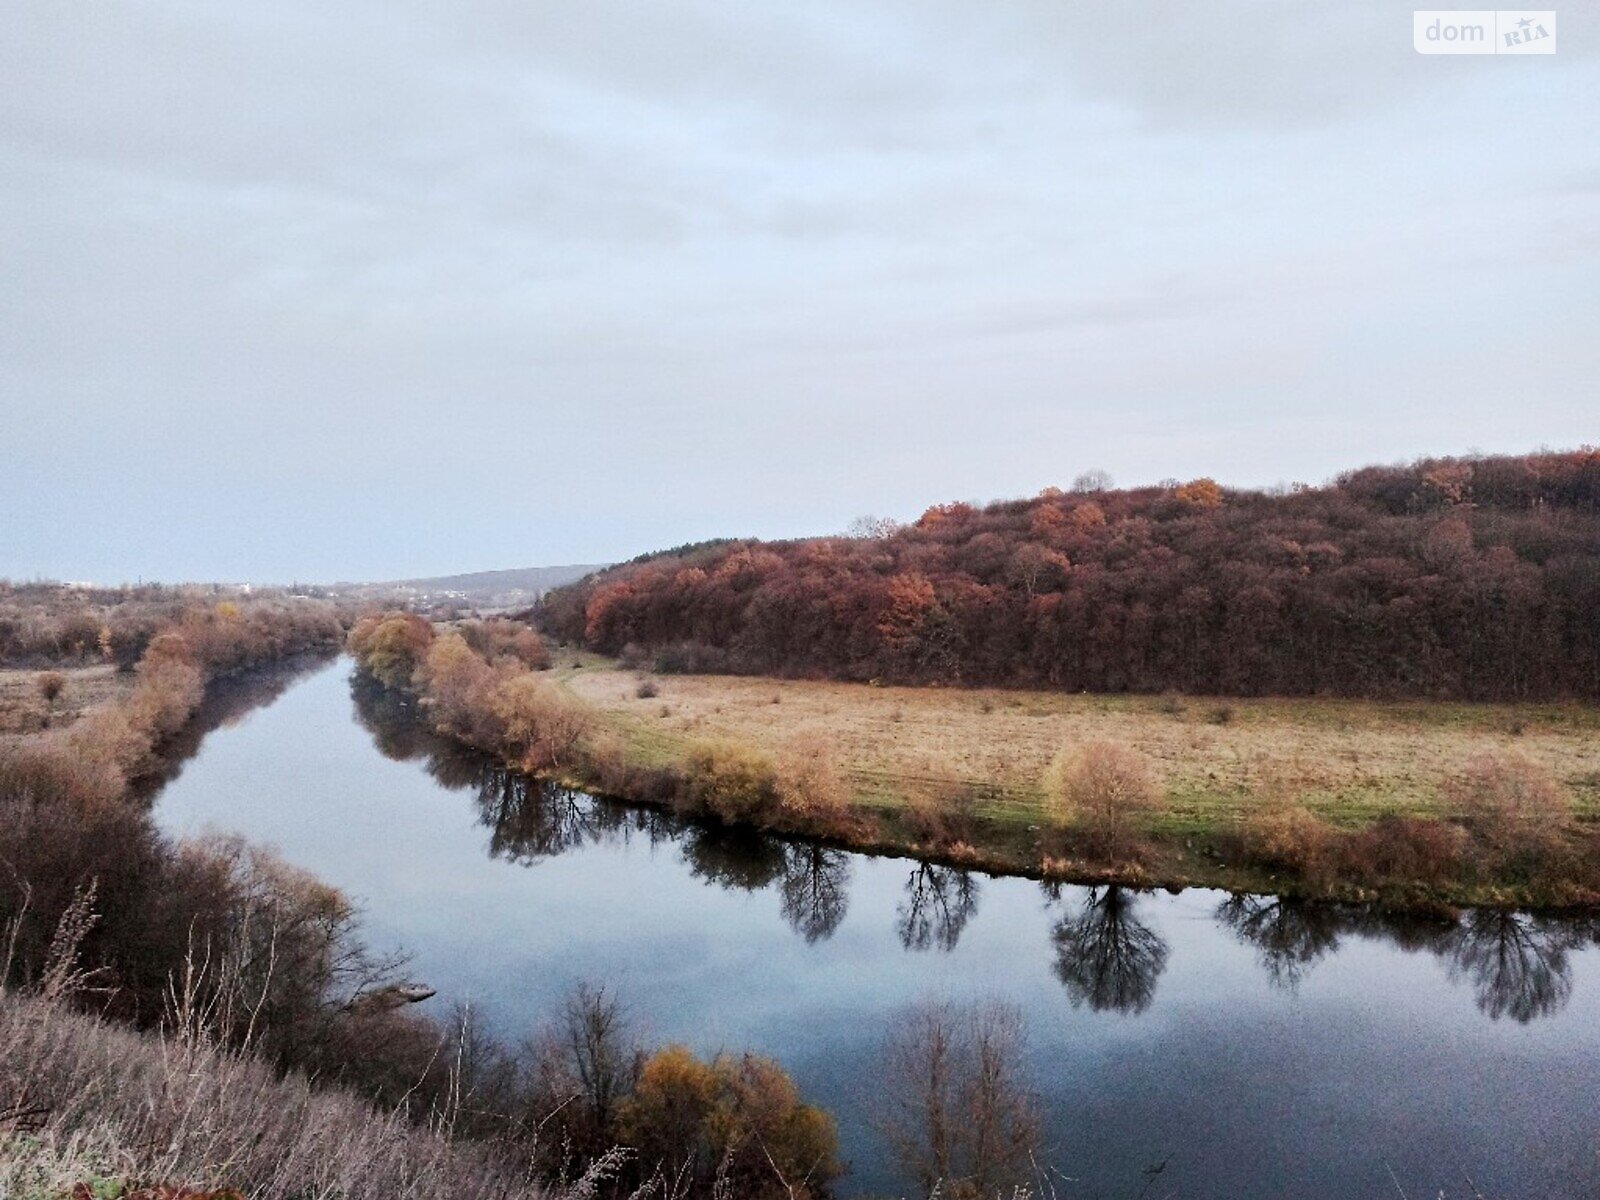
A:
1473	578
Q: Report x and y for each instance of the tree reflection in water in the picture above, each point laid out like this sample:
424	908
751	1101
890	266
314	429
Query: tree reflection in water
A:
732	857
227	701
1517	963
1105	956
939	901
530	819
816	889
1289	935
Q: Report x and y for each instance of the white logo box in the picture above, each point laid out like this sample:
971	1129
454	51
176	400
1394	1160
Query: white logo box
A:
1483	31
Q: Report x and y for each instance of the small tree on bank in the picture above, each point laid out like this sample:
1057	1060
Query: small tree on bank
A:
1104	788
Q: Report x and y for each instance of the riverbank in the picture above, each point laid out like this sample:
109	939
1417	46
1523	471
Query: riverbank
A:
1222	766
128	954
1418	805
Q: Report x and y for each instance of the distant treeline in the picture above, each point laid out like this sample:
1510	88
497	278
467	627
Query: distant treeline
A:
1470	578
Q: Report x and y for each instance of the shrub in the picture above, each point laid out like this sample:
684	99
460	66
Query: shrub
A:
391	646
1511	805
1105	787
170	687
1402	850
51	771
955	1103
735	1126
1290	837
807	781
729	779
500	639
941	806
50	685
544	728
458	688
582	1066
646	690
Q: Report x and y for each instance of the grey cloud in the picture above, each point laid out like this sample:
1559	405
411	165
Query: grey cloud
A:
399	288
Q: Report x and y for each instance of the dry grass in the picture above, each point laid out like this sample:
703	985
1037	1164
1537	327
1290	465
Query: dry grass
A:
1346	761
24	710
97	1103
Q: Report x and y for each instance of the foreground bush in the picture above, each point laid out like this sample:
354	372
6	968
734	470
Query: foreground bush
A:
956	1106
736	1125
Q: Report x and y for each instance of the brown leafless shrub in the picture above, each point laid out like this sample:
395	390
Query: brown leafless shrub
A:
170	688
1287	836
50	685
1402	850
1105	788
807	781
499	639
1512	806
544	728
458	687
578	1071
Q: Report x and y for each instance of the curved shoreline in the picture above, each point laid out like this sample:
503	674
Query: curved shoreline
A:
993	849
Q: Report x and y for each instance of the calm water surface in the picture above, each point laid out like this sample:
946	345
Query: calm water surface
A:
1255	1047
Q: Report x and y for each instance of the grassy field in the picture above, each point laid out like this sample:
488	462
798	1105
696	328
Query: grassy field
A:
1217	759
23	710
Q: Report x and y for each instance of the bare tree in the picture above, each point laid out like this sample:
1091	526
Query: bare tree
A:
956	1107
869	527
1092	480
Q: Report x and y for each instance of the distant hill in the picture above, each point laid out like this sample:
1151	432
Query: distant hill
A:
1476	578
487	589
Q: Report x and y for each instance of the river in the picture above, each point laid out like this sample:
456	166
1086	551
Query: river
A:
1254	1047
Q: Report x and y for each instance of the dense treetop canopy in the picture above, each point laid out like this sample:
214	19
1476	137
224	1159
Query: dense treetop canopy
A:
1476	578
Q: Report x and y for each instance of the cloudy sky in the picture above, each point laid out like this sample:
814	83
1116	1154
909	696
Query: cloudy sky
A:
365	290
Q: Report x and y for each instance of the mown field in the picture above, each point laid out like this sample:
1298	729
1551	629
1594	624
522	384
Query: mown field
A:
1217	759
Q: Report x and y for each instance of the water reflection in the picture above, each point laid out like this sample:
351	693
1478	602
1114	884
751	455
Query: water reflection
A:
227	701
938	903
1518	966
816	890
1105	956
1289	935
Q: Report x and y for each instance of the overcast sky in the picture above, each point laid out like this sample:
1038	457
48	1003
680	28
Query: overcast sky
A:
365	290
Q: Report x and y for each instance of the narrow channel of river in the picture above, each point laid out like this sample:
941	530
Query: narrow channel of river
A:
1254	1048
